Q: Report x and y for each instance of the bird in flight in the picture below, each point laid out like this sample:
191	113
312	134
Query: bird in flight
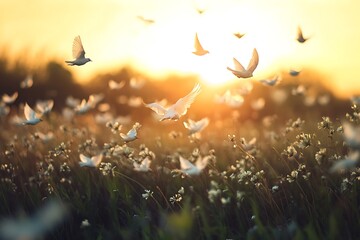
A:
175	111
143	166
146	20
300	37
30	115
9	99
199	50
27	82
132	134
93	161
240	71
196	126
78	53
271	81
189	169
239	35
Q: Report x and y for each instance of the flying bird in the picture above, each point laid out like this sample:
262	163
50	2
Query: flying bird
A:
71	101
351	136
190	169
300	37
78	53
134	101
132	134
93	161
196	127
45	106
137	83
27	82
272	81
9	99
146	20
85	106
348	163
240	71
200	10
45	137
113	85
30	115
199	50
144	166
239	35
294	72
175	111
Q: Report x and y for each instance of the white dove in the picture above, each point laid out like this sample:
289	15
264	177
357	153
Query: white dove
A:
144	166
239	35
135	101
27	82
90	162
351	135
300	38
113	85
132	134
190	169
240	71
45	137
146	20
350	162
45	106
71	101
85	106
9	99
137	83
78	53
199	50
196	127
272	81
30	115
175	111
294	72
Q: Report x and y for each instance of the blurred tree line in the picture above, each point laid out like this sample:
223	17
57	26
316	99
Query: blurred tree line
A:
55	81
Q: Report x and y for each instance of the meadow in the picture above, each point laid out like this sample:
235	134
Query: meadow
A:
270	171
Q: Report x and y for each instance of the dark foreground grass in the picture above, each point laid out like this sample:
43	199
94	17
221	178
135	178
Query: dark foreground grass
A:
279	187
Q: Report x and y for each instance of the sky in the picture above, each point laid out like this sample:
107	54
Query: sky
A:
113	36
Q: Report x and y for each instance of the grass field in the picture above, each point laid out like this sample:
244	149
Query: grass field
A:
268	175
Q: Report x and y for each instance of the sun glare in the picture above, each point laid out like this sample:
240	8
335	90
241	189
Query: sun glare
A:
167	46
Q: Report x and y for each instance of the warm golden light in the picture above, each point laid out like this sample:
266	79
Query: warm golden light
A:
114	36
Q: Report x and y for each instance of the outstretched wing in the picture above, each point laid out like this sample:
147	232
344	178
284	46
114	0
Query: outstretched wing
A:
182	105
201	163
97	159
78	49
185	164
197	44
83	158
156	107
29	113
253	62
238	66
299	33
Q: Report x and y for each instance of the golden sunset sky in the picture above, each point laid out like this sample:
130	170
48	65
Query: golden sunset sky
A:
113	36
